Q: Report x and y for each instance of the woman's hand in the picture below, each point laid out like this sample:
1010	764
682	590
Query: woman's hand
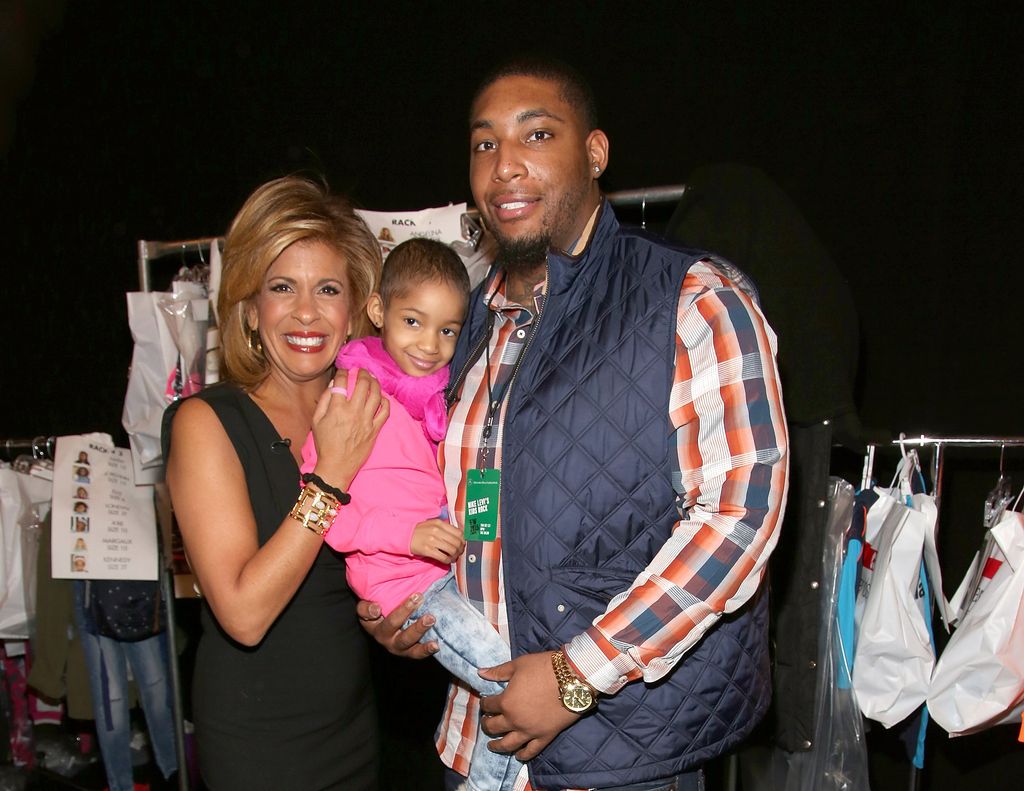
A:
437	540
389	632
345	426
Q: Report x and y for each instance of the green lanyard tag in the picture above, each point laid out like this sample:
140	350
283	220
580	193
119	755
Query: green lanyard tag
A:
482	488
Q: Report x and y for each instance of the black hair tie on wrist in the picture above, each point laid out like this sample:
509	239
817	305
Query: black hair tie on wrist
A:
311	477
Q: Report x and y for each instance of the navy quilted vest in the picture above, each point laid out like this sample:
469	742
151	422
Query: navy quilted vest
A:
587	500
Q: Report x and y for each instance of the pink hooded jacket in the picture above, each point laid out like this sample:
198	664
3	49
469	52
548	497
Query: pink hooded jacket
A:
398	487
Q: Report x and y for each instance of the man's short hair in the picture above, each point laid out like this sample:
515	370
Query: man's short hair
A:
419	261
573	88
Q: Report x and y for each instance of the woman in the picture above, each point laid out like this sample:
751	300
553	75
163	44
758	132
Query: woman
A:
281	687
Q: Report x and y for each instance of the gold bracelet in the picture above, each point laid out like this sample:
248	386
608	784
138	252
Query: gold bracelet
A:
315	509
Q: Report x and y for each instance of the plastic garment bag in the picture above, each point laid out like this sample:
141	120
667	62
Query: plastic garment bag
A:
24	503
895	655
838	760
979	679
168	362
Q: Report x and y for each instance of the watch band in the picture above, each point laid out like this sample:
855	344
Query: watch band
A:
573	692
563	672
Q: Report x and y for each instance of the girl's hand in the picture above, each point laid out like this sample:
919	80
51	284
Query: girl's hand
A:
437	540
345	426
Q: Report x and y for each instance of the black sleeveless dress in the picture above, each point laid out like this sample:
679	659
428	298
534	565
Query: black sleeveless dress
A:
296	711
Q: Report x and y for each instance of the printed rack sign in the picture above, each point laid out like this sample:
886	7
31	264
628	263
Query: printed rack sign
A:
103	526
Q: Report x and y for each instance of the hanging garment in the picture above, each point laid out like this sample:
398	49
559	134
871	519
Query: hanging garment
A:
168	362
108	662
894	655
838	758
979	679
24	503
58	663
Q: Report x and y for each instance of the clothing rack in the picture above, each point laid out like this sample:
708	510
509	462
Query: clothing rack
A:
149	251
636	197
644	195
938	445
41	447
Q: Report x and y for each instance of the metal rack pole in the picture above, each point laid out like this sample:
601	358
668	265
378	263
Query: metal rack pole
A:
149	251
645	195
637	197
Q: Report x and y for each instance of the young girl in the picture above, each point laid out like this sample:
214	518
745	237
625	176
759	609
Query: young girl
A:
394	531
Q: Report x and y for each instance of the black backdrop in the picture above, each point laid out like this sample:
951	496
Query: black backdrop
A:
893	126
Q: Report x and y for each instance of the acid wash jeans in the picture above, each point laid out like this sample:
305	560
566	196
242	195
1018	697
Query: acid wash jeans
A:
688	781
467	643
107	661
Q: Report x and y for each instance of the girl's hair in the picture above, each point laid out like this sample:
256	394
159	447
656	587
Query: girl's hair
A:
422	261
277	215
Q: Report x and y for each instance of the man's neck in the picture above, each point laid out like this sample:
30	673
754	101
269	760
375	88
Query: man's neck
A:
519	286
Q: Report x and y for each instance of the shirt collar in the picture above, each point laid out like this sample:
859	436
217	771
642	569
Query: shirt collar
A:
577	247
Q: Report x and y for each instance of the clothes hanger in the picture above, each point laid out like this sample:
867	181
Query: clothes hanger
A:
1001	495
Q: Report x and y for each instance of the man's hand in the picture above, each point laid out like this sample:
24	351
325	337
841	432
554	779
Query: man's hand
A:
529	713
389	632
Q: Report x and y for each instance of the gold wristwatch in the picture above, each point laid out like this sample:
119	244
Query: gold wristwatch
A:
575	694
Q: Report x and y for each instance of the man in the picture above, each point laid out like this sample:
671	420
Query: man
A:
617	455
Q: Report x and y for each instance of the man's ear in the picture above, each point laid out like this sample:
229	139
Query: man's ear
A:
375	310
597	150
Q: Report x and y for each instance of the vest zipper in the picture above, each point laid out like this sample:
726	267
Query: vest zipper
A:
453	387
501	480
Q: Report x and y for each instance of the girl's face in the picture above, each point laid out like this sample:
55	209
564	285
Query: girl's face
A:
419	328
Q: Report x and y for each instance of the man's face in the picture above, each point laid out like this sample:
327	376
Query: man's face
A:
532	168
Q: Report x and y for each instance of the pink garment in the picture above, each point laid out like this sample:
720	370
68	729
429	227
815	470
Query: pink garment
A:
398	487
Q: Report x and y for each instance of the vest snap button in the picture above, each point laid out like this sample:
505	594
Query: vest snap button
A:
561	608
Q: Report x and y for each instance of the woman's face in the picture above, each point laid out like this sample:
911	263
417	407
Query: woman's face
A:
302	311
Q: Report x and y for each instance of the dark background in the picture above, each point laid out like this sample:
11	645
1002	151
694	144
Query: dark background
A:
895	128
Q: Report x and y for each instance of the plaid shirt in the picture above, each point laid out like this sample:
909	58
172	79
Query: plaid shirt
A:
717	554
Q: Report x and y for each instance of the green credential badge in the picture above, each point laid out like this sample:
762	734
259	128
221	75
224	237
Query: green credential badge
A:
482	505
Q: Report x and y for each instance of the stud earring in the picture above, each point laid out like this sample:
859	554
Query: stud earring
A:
597	169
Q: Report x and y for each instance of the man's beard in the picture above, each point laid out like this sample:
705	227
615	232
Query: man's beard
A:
522	256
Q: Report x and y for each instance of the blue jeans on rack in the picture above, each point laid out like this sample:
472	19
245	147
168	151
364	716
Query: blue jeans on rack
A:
107	661
467	643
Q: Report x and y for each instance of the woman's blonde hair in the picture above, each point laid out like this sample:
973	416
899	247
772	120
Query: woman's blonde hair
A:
277	215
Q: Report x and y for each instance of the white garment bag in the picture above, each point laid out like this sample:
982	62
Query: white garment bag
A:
24	504
979	679
894	656
168	362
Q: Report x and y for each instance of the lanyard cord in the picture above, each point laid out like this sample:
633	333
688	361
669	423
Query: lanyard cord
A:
493	404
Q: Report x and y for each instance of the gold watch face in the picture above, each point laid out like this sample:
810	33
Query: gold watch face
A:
577	698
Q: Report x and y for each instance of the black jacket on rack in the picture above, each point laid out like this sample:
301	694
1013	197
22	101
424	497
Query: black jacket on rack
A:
740	213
